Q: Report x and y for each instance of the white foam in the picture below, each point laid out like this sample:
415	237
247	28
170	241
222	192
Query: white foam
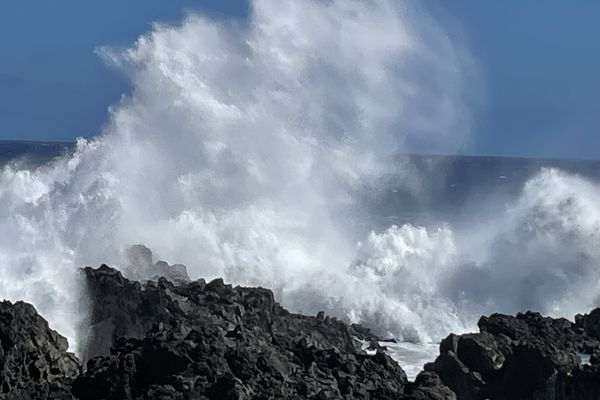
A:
412	356
242	151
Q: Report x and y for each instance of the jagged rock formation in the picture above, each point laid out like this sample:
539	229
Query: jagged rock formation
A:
198	340
523	357
215	341
119	308
34	363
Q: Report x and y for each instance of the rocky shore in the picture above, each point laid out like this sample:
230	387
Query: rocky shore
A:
199	340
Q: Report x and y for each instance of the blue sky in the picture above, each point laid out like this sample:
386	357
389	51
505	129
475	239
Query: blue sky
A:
540	62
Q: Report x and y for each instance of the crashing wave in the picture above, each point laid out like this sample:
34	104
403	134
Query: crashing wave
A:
242	152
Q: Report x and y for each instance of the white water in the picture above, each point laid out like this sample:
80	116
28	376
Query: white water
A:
242	150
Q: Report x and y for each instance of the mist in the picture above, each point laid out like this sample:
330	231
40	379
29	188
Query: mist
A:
245	151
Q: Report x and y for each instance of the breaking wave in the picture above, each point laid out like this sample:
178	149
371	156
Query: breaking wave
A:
245	150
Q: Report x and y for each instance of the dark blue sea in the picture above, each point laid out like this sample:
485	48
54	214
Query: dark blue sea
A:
31	153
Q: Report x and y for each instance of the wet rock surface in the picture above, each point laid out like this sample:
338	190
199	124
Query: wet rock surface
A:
523	357
34	362
214	341
199	340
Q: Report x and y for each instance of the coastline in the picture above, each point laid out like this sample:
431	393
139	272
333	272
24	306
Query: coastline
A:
191	339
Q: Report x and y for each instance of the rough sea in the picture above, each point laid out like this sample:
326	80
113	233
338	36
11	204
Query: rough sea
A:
270	152
477	235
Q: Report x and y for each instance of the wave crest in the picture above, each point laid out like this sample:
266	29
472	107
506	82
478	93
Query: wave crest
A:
244	151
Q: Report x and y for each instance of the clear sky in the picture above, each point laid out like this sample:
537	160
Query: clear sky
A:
540	62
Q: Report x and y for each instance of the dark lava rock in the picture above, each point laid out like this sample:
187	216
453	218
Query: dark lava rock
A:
201	340
428	386
34	362
589	323
198	340
120	308
522	357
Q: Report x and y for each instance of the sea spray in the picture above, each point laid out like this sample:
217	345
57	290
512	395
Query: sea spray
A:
242	151
239	151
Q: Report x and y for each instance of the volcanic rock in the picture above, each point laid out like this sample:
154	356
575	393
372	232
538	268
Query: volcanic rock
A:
34	362
201	340
524	357
197	340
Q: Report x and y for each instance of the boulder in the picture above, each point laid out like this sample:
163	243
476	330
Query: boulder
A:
526	356
215	341
34	362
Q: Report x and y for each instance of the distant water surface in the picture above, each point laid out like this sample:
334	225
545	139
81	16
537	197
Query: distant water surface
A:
31	153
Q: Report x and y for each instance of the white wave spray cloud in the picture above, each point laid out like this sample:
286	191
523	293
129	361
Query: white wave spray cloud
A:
241	152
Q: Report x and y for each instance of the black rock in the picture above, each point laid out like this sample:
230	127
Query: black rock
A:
589	323
428	386
34	362
120	308
524	357
201	340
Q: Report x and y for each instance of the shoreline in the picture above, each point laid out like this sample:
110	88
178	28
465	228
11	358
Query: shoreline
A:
196	338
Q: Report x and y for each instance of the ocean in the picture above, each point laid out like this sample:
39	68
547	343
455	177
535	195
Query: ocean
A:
431	250
31	154
279	152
